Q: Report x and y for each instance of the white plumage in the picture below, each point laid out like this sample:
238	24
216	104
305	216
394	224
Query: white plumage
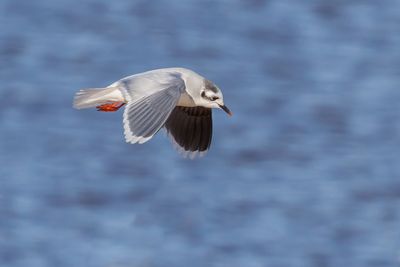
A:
175	98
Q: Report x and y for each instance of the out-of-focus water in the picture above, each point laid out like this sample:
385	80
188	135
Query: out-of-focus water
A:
306	172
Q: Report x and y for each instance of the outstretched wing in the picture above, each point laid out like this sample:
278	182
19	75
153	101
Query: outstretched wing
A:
190	129
144	117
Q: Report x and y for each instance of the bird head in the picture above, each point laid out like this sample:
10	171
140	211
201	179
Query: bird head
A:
211	97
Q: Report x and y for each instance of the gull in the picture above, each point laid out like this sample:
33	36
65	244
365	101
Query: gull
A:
176	99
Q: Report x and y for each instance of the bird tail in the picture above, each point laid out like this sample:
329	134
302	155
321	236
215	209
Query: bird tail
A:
92	97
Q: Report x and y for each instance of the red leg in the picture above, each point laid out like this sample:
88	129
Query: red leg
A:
110	107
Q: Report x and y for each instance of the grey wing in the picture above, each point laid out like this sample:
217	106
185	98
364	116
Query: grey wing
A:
144	117
190	129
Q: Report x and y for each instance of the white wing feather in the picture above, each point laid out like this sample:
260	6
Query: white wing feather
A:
147	83
145	116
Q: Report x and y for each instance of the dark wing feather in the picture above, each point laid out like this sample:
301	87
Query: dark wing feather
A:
191	129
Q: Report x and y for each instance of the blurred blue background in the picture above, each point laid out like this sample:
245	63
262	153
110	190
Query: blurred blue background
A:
306	172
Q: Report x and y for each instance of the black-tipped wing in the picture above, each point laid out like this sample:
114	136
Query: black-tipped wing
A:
191	129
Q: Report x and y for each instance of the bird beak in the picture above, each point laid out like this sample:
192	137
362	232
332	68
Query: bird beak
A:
226	109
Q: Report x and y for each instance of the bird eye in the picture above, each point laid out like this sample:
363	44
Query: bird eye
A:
211	98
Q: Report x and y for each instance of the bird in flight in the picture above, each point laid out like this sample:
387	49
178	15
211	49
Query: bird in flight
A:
177	99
